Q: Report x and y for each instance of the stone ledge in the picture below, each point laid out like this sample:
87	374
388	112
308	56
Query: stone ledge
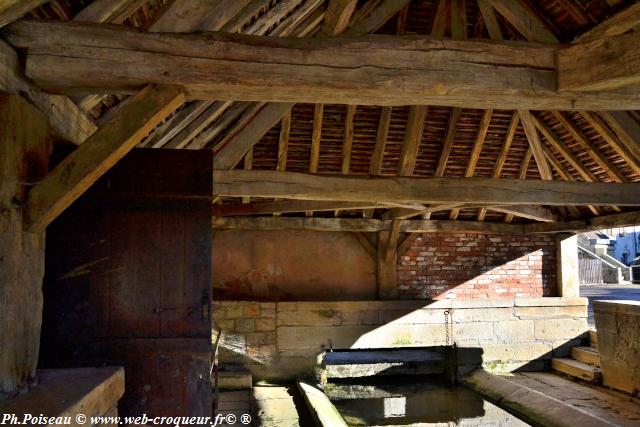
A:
614	306
531	404
551	302
69	392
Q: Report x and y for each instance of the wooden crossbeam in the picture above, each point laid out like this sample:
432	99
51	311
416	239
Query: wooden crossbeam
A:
489	191
490	19
99	153
474	74
291	206
366	244
601	64
423	226
65	117
536	213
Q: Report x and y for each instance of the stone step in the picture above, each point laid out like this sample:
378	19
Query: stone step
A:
235	380
593	338
588	355
358	364
577	369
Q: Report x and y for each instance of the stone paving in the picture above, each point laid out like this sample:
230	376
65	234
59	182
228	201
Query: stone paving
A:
615	408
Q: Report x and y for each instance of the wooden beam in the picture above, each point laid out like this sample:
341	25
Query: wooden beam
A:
471	74
271	184
627	129
283	142
388	261
78	171
231	118
601	64
490	19
536	213
372	19
347	139
290	206
66	118
441	19
613	140
502	157
363	225
565	175
626	20
590	148
248	165
366	245
459	19
562	148
316	136
524	20
448	142
528	124
338	15
375	167
114	11
11	10
406	243
412	138
625	219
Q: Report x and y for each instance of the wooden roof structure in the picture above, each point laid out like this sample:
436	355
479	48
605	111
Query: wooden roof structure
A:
458	115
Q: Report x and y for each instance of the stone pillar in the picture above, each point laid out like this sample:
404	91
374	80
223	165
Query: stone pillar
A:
567	265
24	154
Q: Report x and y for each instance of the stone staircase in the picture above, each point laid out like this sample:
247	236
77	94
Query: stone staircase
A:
584	362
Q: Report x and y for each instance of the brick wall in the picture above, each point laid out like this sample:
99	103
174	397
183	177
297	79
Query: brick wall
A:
441	265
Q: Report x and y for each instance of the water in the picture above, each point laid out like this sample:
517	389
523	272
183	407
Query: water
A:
415	404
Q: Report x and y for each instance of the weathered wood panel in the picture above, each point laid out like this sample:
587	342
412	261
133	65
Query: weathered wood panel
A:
129	273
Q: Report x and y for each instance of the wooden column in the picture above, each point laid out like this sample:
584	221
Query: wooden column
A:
24	153
567	265
388	262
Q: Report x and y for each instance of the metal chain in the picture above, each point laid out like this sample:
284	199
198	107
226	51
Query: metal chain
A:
446	326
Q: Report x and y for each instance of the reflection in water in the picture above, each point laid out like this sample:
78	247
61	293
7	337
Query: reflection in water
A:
415	404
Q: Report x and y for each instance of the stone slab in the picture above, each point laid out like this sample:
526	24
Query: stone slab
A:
323	411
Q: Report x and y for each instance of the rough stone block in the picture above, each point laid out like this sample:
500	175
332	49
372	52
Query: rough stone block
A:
482	315
550	312
551	302
516	352
245	325
473	332
557	329
317	317
312	338
514	331
263	325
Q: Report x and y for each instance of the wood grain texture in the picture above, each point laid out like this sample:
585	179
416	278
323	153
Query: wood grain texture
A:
239	183
472	74
110	143
11	10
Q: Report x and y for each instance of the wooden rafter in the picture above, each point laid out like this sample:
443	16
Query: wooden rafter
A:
475	151
622	22
502	157
78	171
528	123
627	129
338	15
271	184
347	139
522	18
11	10
490	19
522	174
291	206
283	142
613	140
589	147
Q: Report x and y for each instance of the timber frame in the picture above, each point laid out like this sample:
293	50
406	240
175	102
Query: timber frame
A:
487	116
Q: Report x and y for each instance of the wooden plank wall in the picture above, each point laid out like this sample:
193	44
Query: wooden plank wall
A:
129	280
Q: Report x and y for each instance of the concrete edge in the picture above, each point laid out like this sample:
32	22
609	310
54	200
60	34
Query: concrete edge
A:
321	408
530	404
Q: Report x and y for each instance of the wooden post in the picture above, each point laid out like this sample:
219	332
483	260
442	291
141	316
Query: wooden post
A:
567	262
24	155
388	261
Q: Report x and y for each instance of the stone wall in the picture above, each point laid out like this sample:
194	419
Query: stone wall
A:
618	326
440	265
283	340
